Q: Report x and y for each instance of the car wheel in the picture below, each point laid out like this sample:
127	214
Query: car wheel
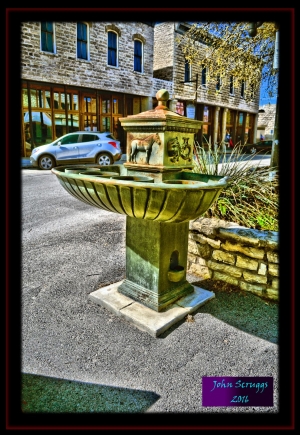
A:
104	159
46	162
252	150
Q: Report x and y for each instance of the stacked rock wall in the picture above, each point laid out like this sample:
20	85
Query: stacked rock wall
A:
240	256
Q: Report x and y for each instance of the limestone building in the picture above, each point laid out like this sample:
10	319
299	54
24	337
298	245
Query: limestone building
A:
266	121
87	75
78	75
223	112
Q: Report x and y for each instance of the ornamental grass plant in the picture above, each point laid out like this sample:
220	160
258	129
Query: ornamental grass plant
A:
251	198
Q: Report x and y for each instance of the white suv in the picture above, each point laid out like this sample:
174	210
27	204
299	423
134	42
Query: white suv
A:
76	148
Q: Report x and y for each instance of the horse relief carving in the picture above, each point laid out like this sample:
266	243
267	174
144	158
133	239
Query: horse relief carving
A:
175	150
143	145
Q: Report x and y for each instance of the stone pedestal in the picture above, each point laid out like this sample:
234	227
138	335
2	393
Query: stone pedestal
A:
156	259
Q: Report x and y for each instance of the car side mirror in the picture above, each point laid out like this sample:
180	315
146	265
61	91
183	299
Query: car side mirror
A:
59	143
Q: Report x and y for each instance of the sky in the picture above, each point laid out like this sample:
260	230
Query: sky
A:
264	98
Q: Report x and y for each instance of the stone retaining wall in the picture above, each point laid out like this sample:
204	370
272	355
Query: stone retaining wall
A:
238	255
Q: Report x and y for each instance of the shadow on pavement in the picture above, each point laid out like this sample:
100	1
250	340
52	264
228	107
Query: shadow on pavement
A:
242	310
42	394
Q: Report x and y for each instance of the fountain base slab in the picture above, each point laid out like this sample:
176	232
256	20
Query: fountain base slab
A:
144	318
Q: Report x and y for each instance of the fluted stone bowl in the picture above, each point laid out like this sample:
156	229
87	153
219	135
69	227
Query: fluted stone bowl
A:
182	198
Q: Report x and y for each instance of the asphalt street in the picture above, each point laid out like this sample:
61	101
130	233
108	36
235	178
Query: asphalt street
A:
79	358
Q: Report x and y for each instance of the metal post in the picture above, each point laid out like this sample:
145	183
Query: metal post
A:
275	145
196	95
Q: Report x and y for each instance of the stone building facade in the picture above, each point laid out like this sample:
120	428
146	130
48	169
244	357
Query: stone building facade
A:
63	91
224	112
266	121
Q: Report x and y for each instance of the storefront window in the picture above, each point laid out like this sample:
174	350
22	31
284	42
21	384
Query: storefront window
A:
105	124
36	98
60	124
25	97
41	131
206	114
90	122
115	105
73	123
59	100
241	118
73	102
89	104
105	106
49	112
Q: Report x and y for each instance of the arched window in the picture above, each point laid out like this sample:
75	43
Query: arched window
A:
138	56
112	48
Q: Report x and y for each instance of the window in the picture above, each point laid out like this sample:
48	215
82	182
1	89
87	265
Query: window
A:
73	138
89	112
89	137
187	71
138	56
82	41
65	123
47	37
112	49
243	89
218	83
203	76
231	88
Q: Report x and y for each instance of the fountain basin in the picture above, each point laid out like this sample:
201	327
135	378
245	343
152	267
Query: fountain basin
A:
172	200
98	173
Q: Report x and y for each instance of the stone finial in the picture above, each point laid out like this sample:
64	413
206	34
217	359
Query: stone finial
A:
162	97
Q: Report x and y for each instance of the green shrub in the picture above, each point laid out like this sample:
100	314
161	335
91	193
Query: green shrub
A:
251	198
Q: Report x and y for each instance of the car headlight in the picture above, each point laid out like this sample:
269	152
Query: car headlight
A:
34	150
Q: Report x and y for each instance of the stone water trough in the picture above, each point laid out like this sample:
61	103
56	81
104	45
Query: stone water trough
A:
159	194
